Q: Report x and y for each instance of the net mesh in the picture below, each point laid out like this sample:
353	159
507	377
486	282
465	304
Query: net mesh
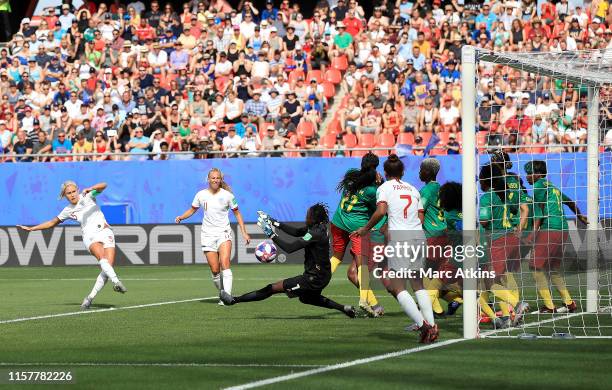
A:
535	108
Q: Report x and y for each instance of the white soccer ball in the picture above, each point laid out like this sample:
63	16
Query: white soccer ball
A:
266	251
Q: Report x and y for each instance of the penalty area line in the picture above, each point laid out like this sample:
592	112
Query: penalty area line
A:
83	312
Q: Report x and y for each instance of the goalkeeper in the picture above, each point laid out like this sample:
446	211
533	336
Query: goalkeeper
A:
313	238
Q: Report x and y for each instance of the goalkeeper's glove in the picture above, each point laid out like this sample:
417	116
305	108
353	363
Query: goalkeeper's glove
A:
265	217
266	226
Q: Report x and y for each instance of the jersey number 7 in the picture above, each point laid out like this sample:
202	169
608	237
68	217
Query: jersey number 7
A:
409	199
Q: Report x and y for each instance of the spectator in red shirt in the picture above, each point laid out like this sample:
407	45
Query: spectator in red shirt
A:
144	31
352	23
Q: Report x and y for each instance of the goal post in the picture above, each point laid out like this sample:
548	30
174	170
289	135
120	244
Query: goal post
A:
586	69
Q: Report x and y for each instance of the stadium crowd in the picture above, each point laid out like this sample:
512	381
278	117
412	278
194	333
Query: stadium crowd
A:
130	79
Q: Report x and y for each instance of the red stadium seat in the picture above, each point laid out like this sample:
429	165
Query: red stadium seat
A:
366	140
328	141
315	74
405	139
329	90
350	141
340	63
333	76
306	129
381	153
426	137
334	127
443	135
295	74
386	140
358	153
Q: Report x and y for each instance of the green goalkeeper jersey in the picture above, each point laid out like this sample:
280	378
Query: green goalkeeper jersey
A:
355	210
549	199
434	223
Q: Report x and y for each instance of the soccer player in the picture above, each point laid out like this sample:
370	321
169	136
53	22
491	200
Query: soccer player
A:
216	236
314	239
450	202
401	202
516	194
434	226
502	242
358	189
551	236
97	234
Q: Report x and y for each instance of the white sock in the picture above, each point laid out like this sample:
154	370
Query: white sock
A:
410	307
228	278
217	280
108	270
98	286
424	301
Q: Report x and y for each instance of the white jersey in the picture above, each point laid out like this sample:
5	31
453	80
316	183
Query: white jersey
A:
216	207
87	213
403	202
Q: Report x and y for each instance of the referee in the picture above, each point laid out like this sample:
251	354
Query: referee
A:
313	238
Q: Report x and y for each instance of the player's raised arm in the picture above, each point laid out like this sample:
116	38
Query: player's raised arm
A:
295	231
45	225
95	189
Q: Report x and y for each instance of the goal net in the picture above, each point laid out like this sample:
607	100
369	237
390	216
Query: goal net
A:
537	192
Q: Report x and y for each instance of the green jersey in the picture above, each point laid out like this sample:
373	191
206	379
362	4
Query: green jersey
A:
434	223
355	210
549	199
454	220
497	213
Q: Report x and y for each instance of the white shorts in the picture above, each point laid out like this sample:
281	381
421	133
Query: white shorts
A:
212	241
411	258
105	236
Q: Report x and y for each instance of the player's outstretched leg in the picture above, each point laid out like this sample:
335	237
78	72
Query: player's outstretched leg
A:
98	285
321	301
253	296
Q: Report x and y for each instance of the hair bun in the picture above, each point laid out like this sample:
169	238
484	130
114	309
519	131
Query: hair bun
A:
393	157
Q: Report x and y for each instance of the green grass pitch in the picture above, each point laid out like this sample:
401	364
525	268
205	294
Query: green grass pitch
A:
198	344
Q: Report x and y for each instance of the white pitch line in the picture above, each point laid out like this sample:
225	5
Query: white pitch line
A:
351	363
76	313
169	364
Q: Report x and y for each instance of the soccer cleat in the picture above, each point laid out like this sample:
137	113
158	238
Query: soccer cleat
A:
434	333
220	303
502	323
367	310
379	310
86	303
521	309
350	311
571	308
226	298
546	310
452	308
119	287
412	328
425	333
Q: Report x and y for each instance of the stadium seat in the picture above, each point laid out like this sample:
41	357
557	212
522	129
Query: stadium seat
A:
328	142
358	153
386	140
426	137
443	135
306	129
366	140
329	90
381	153
333	127
405	139
350	141
333	76
340	63
315	74
294	75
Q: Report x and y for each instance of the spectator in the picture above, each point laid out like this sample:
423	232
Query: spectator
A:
452	146
271	142
138	145
42	146
251	142
244	125
60	146
22	148
449	116
232	143
82	146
